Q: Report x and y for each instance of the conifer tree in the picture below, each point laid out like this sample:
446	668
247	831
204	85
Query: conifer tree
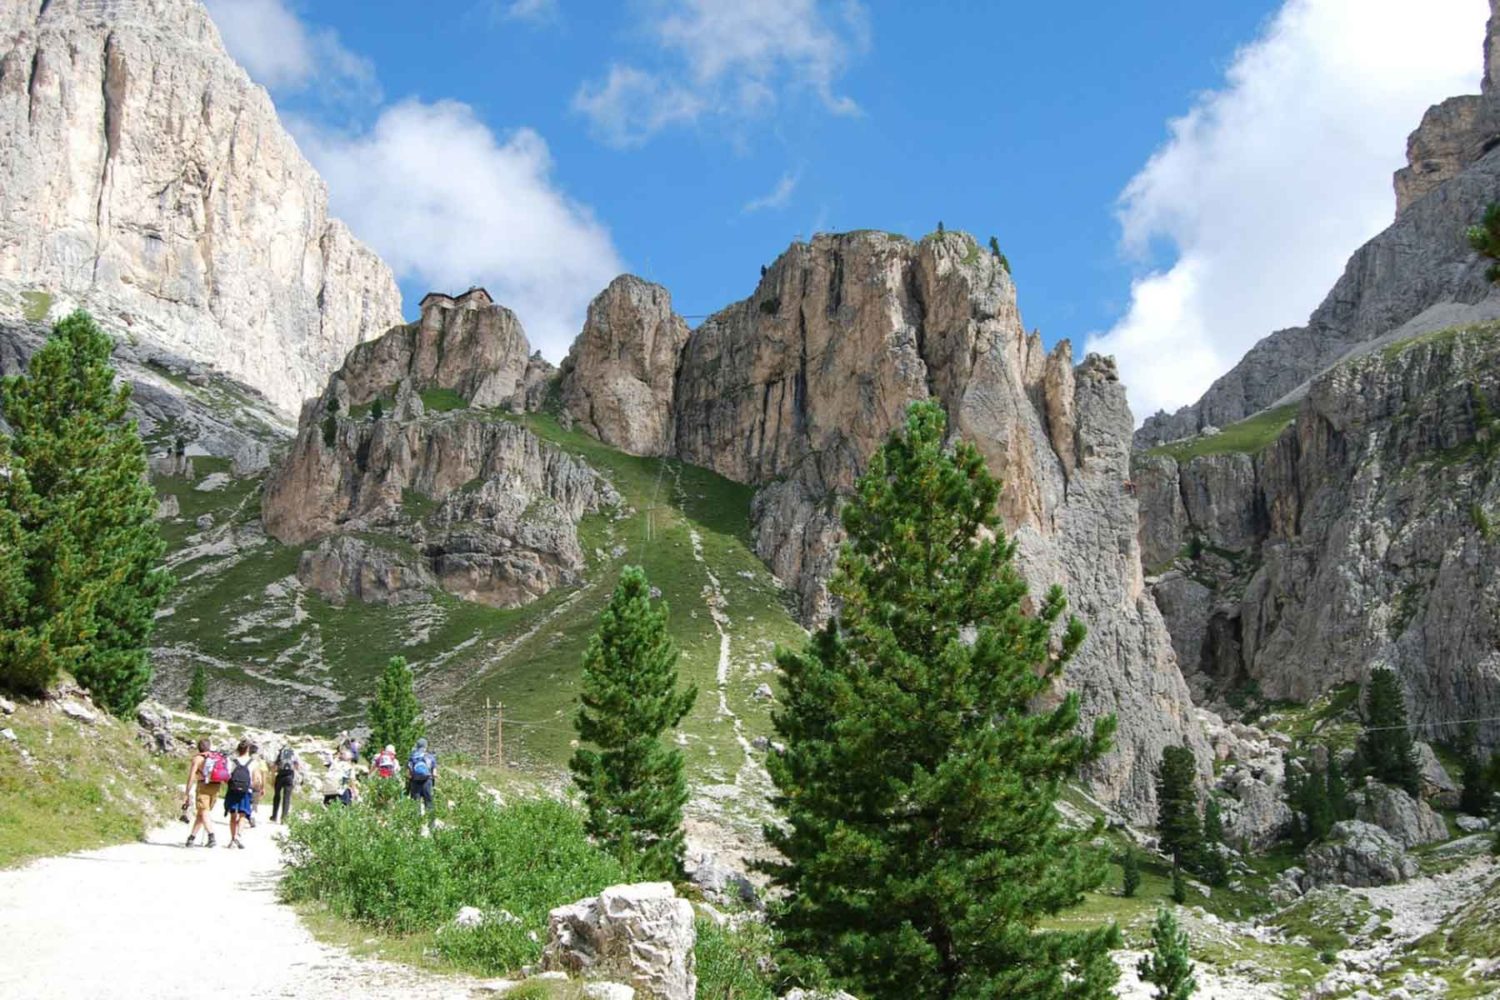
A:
1130	872
88	545
1386	744
1211	861
197	692
1310	801
921	844
1340	807
377	410
632	783
1177	823
1167	966
1478	794
331	423
1179	885
394	715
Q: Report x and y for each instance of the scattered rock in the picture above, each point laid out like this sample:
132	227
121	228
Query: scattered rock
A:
1437	785
205	522
1357	853
641	934
800	994
74	710
1411	821
469	917
168	507
1289	886
763	692
1473	824
9	734
719	882
608	991
7	707
213	482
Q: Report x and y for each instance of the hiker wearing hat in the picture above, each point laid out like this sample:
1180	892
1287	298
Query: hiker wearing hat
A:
386	764
421	772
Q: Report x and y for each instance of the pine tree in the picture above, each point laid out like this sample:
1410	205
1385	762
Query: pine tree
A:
331	423
377	410
921	844
1386	744
1213	822
1478	794
1130	871
197	692
633	784
940	227
1340	806
1167	966
1179	885
87	539
1212	863
1309	794
1177	823
395	715
1485	240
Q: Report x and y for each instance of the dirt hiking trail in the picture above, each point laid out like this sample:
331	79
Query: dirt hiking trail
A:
160	921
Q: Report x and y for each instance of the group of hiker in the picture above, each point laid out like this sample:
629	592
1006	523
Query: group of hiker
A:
241	777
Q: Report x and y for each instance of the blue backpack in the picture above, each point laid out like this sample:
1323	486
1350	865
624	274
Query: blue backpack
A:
421	765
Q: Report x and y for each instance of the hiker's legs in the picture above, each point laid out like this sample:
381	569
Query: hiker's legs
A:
281	801
234	825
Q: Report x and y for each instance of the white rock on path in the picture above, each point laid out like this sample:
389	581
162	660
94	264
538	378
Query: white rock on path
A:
641	934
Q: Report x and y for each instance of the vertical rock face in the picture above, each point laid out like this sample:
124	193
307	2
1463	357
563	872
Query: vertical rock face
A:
1420	271
1360	538
618	380
796	387
466	344
143	176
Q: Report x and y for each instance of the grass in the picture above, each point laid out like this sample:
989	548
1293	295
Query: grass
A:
442	400
84	785
35	305
1249	436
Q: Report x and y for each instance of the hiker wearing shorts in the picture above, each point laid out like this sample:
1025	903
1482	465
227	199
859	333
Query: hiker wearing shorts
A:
201	791
239	800
421	772
258	771
288	764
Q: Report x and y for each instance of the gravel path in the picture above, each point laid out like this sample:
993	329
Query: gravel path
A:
158	920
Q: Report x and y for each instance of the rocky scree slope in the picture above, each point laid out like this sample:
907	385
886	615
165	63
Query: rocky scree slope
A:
145	177
1360	537
791	390
1417	276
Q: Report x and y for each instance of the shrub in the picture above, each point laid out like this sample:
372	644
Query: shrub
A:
197	692
372	864
730	961
1485	239
1167	966
1130	866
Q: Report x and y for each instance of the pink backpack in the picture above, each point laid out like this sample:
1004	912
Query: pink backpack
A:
215	768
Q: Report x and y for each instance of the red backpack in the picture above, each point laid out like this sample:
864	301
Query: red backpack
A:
385	765
215	768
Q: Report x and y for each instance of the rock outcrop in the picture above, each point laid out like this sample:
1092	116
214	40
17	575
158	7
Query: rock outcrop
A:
1356	853
342	568
490	509
1410	821
641	935
145	177
619	378
1418	275
1360	537
793	389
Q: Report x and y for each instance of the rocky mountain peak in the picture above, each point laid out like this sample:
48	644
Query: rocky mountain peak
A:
139	160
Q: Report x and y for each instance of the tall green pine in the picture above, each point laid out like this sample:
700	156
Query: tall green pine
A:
921	844
80	523
1386	744
1130	872
197	692
631	778
1478	794
1177	824
394	715
1167	965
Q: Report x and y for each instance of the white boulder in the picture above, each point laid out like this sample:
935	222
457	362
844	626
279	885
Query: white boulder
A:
641	935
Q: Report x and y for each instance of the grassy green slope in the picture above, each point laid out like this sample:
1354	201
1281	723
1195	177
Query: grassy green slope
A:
278	654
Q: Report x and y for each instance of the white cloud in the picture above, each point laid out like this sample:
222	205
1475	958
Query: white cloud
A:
283	54
1267	185
447	203
727	58
535	11
777	197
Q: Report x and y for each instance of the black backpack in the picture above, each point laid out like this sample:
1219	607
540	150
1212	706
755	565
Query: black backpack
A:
286	761
239	778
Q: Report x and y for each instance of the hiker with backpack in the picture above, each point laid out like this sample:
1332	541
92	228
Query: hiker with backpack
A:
257	781
288	769
421	772
239	800
207	775
386	764
338	781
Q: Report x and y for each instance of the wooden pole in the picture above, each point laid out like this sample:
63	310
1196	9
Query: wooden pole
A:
486	730
500	732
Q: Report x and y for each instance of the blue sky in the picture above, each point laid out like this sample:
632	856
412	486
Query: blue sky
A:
538	146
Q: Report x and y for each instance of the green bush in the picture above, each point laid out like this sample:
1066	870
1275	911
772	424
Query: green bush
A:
372	864
730	961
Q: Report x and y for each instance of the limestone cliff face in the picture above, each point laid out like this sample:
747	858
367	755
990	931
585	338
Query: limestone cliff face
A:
1418	273
794	388
489	512
618	380
143	176
1362	537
